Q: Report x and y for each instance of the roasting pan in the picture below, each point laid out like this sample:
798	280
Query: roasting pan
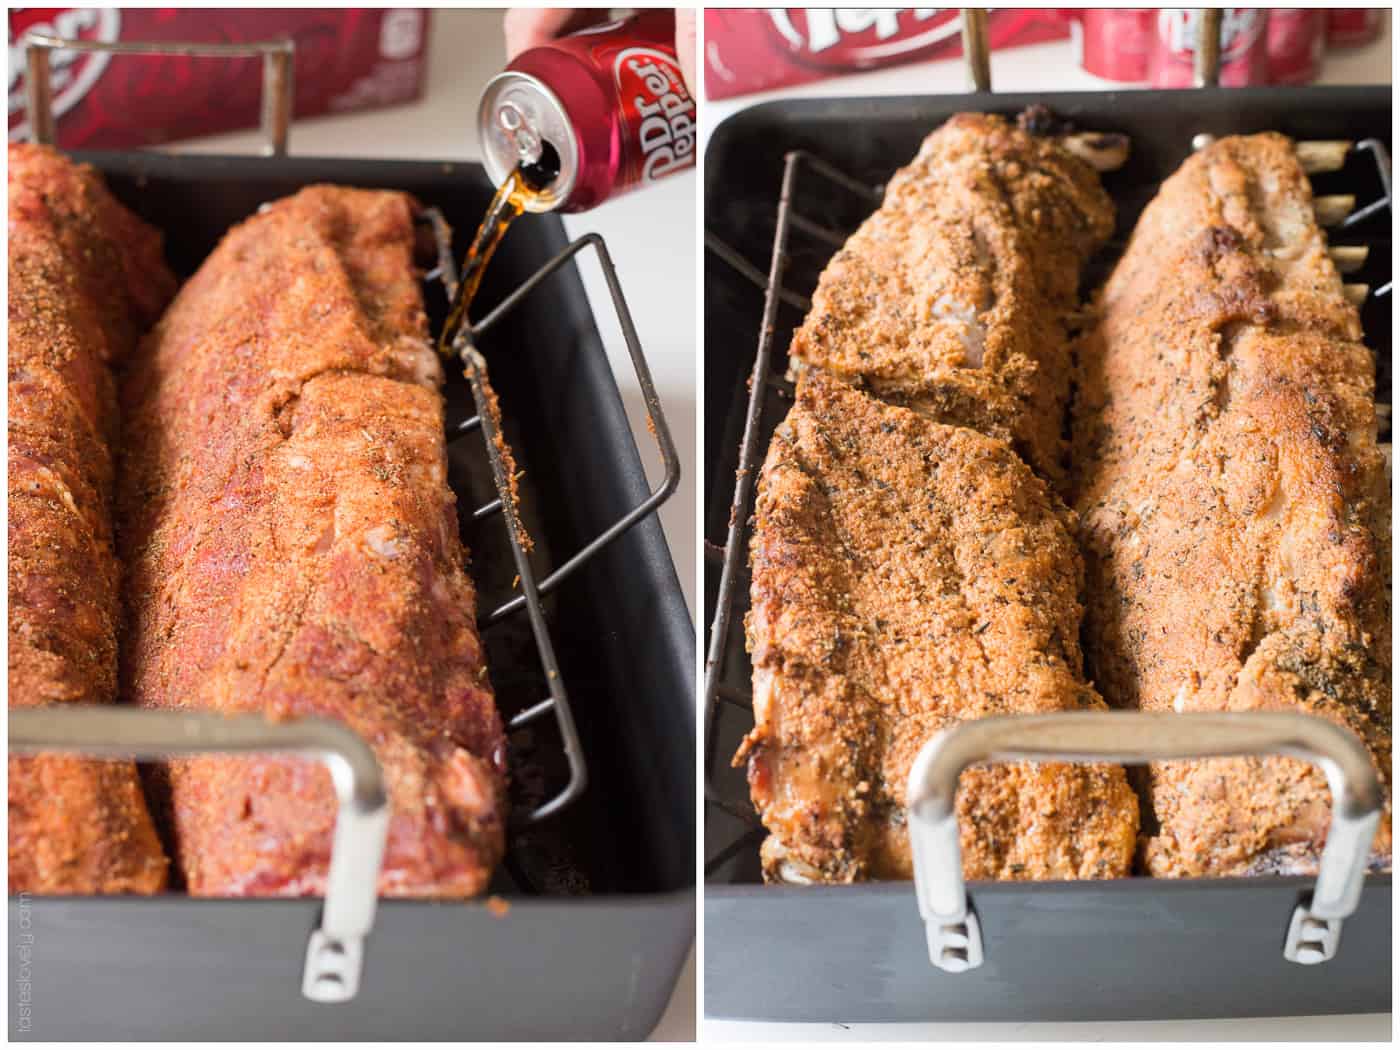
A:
1057	951
591	916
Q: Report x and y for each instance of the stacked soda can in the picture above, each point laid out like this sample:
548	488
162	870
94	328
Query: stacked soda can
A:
1244	47
1297	39
1114	43
1353	26
1157	46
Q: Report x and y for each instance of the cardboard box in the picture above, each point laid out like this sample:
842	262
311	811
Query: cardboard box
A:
758	49
345	60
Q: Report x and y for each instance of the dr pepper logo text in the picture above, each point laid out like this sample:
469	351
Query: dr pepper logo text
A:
72	73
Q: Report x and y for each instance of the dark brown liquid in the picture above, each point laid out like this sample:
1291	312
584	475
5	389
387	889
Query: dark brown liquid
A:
508	204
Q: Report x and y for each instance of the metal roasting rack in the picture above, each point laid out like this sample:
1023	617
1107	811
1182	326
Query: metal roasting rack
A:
485	420
335	947
955	943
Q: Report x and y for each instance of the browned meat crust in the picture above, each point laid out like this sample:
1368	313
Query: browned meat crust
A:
293	550
908	575
955	296
1233	500
85	276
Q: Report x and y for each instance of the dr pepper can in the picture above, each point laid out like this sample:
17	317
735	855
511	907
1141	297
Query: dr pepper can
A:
591	115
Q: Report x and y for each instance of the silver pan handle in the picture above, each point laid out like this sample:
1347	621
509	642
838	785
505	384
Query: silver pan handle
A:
1132	737
335	953
1205	70
278	87
978	59
977	51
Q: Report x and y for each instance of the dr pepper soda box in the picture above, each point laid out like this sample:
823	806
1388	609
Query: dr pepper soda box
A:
1244	47
751	49
346	59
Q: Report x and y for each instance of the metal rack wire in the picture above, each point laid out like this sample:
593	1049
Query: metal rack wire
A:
726	668
486	421
278	88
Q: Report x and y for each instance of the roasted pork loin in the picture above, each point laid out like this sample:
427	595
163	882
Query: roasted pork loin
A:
1234	502
908	575
909	569
956	296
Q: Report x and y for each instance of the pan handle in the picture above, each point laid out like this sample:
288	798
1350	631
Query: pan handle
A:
1206	68
278	88
1132	737
335	953
977	51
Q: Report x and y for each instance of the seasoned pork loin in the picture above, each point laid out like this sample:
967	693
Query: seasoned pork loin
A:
85	278
1234	503
293	550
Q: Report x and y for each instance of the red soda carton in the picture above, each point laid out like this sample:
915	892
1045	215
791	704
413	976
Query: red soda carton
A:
1297	39
346	59
1113	43
753	49
1353	26
1244	47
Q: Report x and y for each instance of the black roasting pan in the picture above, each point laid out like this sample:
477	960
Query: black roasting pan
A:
595	908
1131	949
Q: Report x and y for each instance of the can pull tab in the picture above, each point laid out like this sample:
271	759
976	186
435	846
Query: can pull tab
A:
519	134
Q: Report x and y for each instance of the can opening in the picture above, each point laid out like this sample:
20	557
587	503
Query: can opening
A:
539	174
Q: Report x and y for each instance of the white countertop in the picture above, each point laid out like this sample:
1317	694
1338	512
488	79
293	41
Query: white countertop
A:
1341	1028
651	237
1042	67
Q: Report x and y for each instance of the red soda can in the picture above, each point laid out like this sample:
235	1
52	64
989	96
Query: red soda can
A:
1297	39
1244	47
1113	43
1353	26
592	115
